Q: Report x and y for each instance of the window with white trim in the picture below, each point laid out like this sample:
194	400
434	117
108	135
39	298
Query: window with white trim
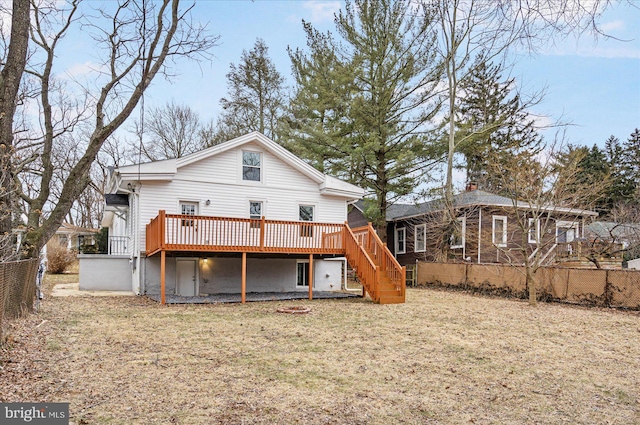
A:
533	230
251	166
255	212
302	273
401	240
566	231
306	213
499	231
458	235
188	208
420	238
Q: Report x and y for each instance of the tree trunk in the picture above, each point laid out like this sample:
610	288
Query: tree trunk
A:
531	286
9	85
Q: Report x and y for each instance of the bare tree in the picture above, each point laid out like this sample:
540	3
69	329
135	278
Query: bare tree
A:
483	31
173	131
544	195
137	41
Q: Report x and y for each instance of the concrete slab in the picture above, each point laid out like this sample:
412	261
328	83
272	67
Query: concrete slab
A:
73	290
251	296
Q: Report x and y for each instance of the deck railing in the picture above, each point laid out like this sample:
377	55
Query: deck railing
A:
178	232
580	250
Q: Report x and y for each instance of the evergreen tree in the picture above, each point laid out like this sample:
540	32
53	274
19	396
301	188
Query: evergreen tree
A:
592	170
621	185
373	94
318	123
493	125
632	161
256	96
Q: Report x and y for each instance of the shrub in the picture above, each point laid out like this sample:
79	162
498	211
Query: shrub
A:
59	258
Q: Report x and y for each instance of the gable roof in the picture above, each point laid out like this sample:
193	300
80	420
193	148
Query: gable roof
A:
166	169
466	199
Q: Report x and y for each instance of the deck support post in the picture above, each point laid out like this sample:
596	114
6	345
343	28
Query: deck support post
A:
310	276
163	267
243	284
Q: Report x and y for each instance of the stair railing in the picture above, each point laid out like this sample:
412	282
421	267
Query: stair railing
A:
363	265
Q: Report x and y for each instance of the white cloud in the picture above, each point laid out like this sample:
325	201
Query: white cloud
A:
322	11
82	69
612	26
541	122
620	51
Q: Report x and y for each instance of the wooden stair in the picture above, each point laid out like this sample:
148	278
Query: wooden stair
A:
382	277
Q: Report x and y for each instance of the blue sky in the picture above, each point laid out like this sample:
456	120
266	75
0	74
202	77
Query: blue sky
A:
593	85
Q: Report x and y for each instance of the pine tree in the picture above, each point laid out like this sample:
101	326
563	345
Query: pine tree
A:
494	125
632	161
256	96
374	96
621	186
318	124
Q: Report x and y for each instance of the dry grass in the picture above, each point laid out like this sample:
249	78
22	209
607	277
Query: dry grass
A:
443	357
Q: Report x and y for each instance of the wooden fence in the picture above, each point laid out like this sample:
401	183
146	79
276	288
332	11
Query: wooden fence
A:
608	288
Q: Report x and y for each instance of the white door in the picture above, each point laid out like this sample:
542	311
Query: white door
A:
186	285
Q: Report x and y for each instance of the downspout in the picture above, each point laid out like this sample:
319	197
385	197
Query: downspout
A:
479	232
135	230
345	265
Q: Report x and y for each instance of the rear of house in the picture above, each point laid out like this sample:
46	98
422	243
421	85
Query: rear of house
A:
242	216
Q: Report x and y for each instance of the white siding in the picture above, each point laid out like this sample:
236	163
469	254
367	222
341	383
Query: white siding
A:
223	275
219	180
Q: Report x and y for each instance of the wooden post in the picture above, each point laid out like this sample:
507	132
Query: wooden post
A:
163	261
261	233
244	278
162	228
310	276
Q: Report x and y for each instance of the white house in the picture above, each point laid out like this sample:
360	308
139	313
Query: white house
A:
240	217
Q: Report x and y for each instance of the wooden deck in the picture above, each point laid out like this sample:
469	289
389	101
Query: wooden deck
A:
379	272
175	232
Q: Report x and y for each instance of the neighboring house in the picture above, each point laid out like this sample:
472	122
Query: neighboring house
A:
612	242
634	264
486	231
72	237
242	216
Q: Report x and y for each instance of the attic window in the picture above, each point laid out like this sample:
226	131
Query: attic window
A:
251	164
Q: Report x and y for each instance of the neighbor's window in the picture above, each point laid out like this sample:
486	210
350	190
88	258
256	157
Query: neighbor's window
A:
251	163
534	230
401	238
306	214
303	273
499	235
566	231
420	238
458	235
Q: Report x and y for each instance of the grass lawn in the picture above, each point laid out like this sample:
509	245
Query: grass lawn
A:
442	357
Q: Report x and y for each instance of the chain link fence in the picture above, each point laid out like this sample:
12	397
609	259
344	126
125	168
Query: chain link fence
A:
598	287
19	287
